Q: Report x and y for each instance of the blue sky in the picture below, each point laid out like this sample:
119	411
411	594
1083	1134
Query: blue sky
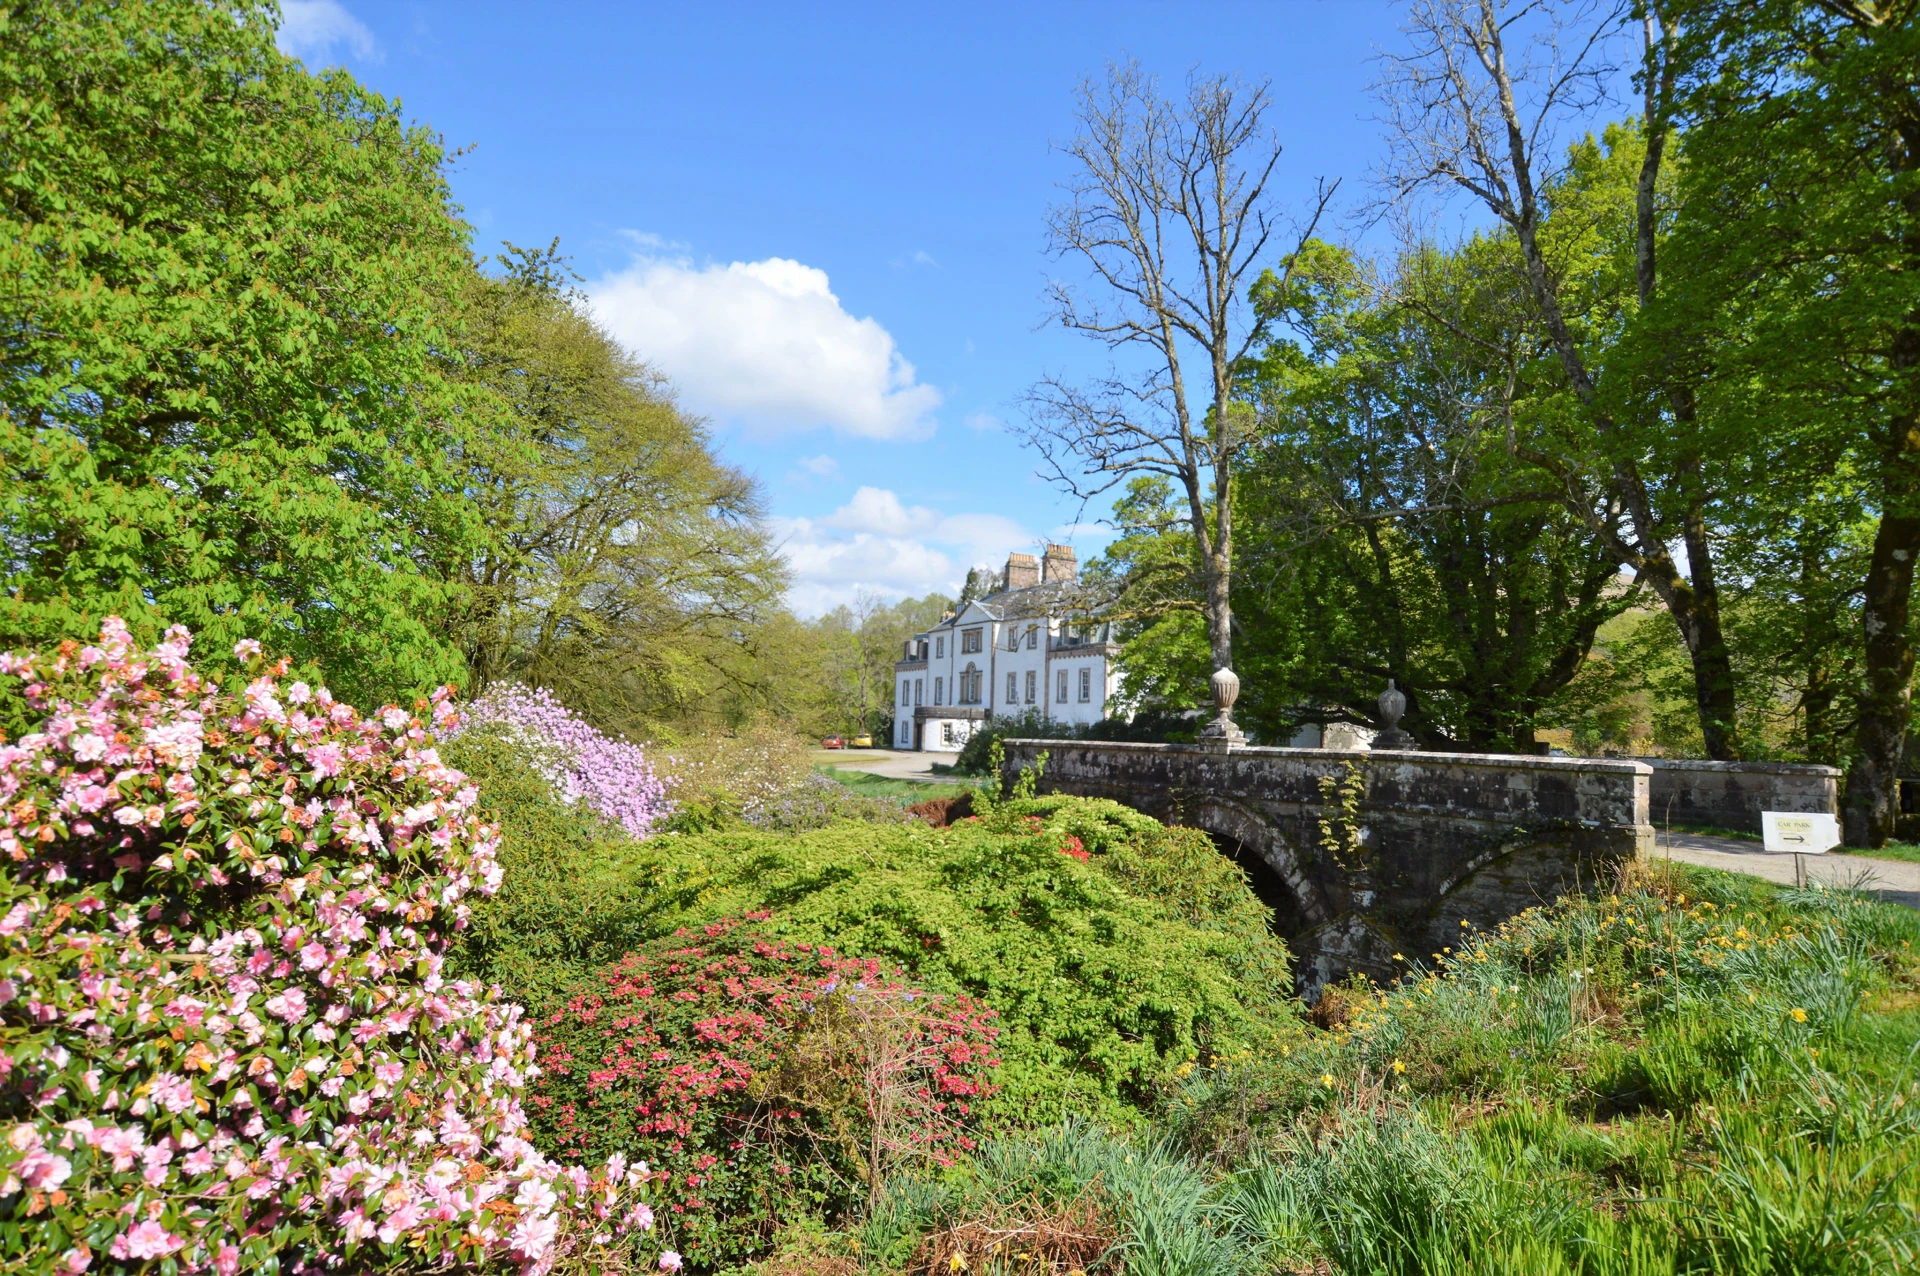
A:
825	222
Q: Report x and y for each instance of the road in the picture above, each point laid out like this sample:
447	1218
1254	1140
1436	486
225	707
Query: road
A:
895	764
1895	881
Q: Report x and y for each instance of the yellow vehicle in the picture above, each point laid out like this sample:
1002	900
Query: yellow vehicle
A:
861	742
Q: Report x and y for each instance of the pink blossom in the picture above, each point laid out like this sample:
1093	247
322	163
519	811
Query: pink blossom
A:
290	1005
610	776
148	1240
669	1261
327	759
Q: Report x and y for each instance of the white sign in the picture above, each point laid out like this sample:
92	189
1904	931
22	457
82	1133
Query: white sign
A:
1799	834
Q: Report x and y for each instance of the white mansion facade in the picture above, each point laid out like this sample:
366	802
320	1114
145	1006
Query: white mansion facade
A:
1011	651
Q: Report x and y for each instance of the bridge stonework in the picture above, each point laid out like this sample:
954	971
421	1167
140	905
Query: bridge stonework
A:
1437	839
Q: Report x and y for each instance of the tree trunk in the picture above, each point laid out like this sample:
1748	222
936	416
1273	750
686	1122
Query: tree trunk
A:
1885	701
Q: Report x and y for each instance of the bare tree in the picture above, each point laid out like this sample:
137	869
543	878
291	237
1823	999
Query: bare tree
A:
1171	211
1474	107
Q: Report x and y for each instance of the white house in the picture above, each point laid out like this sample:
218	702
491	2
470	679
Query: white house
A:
1013	650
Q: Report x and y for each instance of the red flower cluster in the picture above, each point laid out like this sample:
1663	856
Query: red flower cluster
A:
1074	849
760	1068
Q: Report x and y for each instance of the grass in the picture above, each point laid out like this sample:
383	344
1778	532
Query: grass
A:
1906	852
867	784
1699	1072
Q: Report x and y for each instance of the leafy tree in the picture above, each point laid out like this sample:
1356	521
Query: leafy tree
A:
627	569
1389	530
859	644
1799	234
224	389
1472	107
1148	581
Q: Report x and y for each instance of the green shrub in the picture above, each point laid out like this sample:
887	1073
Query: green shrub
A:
1109	975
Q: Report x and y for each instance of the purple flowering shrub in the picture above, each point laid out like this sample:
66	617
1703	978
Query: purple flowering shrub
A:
225	1037
610	776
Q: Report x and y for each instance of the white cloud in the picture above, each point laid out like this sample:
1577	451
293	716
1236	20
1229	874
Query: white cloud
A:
876	544
309	29
765	344
808	468
921	257
984	421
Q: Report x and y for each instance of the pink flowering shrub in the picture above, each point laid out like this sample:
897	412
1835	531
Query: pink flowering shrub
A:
611	776
224	1033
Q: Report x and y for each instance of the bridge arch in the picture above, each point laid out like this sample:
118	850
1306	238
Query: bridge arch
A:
1227	820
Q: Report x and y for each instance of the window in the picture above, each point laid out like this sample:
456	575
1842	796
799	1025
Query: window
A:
919	687
1033	637
1032	678
1060	692
939	652
1086	685
905	699
1013	638
971	681
938	683
1013	687
946	733
969	642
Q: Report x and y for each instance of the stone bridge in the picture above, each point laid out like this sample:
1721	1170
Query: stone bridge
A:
1434	839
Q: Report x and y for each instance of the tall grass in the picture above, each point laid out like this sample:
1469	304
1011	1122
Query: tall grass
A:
1693	1074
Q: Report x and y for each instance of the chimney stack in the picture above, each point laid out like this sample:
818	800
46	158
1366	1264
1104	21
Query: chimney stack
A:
1060	565
1023	571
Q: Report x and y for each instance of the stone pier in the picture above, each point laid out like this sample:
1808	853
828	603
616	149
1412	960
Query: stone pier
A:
1435	838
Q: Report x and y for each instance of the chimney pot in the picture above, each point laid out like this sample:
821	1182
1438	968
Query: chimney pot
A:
1023	571
1060	564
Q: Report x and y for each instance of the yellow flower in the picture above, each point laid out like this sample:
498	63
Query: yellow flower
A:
1326	1079
1799	1015
1399	1066
1398	957
958	1263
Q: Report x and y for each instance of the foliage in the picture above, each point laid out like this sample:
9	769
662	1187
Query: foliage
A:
1698	1073
1695	1073
1388	530
627	569
783	1077
225	399
581	764
226	1039
858	645
1153	727
1108	973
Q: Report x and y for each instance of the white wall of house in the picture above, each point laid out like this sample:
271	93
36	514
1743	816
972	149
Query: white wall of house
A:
990	659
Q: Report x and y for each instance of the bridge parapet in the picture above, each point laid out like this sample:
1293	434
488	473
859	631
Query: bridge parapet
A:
1435	838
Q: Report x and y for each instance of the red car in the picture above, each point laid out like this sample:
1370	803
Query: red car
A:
833	742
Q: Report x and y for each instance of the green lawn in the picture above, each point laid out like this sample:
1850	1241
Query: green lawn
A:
1906	851
867	784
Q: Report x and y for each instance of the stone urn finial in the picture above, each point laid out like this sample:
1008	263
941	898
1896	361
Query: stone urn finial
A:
1226	690
1393	706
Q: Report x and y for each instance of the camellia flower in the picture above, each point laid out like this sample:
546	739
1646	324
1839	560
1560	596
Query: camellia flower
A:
669	1261
288	1074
